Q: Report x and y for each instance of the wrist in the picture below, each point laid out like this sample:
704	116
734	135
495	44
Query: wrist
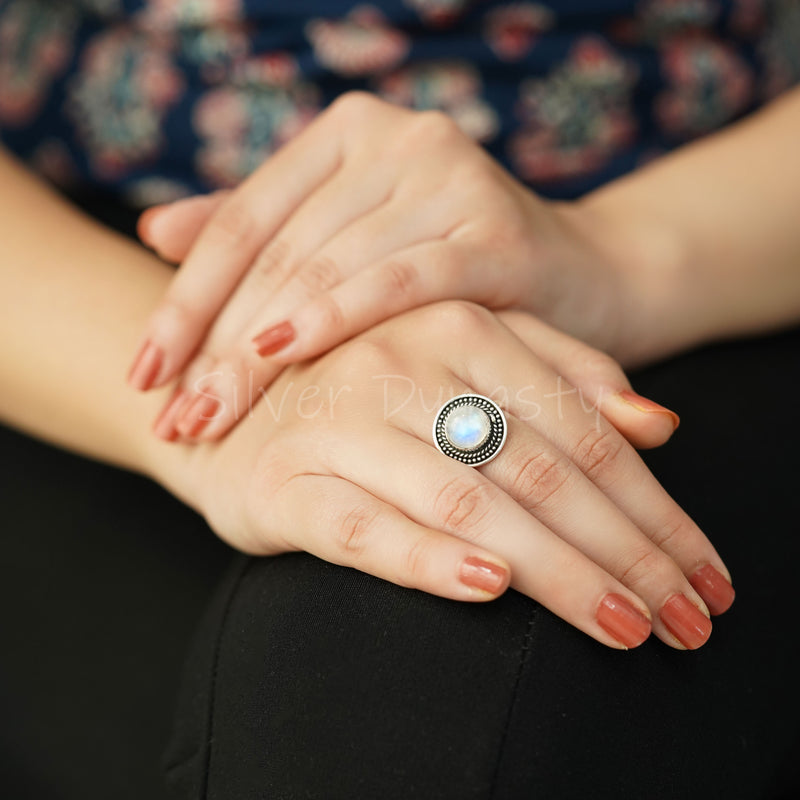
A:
647	260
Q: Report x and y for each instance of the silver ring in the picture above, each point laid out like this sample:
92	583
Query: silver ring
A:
470	428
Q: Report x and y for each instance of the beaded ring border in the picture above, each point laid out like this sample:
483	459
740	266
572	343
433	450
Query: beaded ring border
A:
486	449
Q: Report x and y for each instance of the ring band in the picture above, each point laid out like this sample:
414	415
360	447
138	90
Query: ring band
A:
470	428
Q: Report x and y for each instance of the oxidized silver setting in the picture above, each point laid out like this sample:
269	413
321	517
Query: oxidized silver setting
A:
489	447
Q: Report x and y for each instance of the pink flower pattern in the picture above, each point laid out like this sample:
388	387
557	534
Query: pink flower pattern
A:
708	85
209	33
512	30
452	87
578	117
197	13
363	43
35	46
241	124
119	98
440	12
160	98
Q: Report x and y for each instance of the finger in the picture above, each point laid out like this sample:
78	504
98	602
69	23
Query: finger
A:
289	269
602	382
412	277
443	494
544	482
230	241
241	371
406	218
601	453
547	484
239	374
221	395
341	523
172	228
184	412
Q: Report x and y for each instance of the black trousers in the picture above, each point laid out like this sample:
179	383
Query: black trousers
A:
141	658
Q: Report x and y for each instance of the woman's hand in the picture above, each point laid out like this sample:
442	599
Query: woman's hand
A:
337	459
371	211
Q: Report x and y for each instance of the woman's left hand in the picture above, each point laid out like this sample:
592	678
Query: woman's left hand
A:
371	211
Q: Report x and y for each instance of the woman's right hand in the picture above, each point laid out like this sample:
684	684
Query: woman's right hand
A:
337	459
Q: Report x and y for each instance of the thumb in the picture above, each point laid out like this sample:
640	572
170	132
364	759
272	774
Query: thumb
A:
172	228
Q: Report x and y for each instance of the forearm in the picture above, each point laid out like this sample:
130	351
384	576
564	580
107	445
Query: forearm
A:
712	234
73	296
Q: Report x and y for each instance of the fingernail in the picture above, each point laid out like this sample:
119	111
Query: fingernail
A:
714	588
618	618
483	575
273	339
686	622
197	416
648	406
146	366
164	426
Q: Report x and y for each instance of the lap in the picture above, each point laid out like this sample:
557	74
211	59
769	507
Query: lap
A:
310	680
329	683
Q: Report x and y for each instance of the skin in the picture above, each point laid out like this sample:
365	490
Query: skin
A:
679	253
72	318
374	209
568	506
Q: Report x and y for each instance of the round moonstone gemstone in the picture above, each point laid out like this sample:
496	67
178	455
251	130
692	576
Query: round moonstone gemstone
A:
467	427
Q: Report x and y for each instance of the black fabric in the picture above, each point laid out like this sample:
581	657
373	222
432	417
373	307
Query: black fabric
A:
327	683
306	680
103	577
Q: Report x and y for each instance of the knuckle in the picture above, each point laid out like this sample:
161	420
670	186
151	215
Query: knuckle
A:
233	225
416	561
402	278
599	454
351	532
539	478
365	356
601	366
354	104
461	319
436	127
273	262
319	274
174	316
674	532
462	504
329	313
641	564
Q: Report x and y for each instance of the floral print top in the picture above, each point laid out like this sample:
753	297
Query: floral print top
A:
156	99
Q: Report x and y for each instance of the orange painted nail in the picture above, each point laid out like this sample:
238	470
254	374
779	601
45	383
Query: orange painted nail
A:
484	575
648	406
273	339
197	415
146	366
685	621
164	426
620	619
714	588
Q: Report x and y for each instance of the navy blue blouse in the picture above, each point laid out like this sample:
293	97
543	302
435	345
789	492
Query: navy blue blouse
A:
156	99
